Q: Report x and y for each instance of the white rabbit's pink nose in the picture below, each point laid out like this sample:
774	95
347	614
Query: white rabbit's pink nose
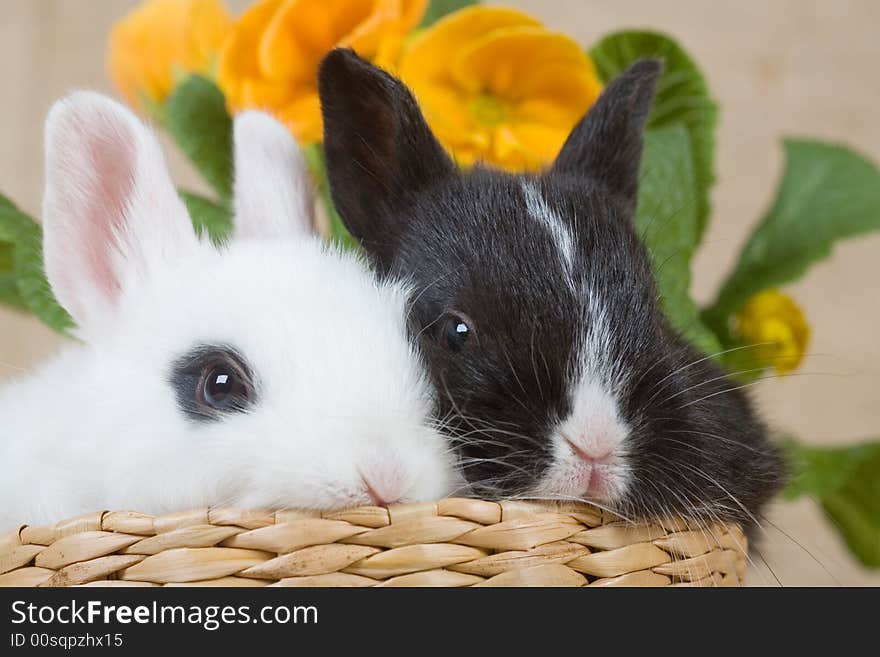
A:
376	498
385	486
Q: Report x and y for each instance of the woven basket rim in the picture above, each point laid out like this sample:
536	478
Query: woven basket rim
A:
449	542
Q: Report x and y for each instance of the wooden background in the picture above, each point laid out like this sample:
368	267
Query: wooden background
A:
778	67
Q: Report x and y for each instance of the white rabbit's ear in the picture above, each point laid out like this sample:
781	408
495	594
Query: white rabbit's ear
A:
109	207
273	192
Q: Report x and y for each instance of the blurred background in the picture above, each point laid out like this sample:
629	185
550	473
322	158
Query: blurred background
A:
777	68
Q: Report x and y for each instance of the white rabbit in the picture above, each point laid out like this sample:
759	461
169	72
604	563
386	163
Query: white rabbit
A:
272	372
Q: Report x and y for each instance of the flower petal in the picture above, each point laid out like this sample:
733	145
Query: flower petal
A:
271	59
539	142
303	117
366	36
447	112
507	62
238	58
411	13
160	36
303	31
428	55
210	24
279	54
776	325
495	85
256	93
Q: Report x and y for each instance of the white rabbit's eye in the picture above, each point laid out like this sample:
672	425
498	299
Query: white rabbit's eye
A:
211	381
224	387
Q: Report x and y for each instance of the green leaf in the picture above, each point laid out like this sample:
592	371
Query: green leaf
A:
437	9
12	223
682	97
9	295
314	155
828	193
197	118
846	482
23	281
666	218
154	109
6	204
32	284
208	216
26	239
7	261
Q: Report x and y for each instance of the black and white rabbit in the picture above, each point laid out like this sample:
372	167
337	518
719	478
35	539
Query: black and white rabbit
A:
273	371
536	308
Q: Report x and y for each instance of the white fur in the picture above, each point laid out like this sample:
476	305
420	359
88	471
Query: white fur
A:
541	212
109	205
589	442
342	399
267	151
589	451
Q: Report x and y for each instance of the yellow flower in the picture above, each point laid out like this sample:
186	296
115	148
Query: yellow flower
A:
270	60
774	321
161	38
496	85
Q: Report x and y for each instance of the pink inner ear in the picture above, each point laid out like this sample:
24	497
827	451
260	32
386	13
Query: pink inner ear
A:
99	199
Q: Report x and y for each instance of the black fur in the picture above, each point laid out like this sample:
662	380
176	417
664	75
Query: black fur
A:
468	242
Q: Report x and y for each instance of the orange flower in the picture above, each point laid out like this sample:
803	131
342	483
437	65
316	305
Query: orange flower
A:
776	324
270	60
160	39
496	85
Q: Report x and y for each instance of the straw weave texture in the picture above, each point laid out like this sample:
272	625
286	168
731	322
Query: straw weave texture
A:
453	542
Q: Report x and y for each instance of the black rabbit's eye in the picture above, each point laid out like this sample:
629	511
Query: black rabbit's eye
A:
212	381
456	331
224	387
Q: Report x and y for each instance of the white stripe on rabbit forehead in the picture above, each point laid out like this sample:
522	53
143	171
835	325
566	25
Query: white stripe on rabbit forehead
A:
598	377
596	366
553	223
595	416
595	391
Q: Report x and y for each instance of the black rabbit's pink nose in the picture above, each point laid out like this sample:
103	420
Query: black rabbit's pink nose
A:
592	451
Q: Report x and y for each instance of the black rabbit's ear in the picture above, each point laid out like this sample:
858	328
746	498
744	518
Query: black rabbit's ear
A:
607	143
380	152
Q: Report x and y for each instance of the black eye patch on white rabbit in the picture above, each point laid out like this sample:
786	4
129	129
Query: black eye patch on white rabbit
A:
213	381
271	372
535	305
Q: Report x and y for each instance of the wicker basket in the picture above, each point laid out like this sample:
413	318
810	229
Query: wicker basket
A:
453	542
